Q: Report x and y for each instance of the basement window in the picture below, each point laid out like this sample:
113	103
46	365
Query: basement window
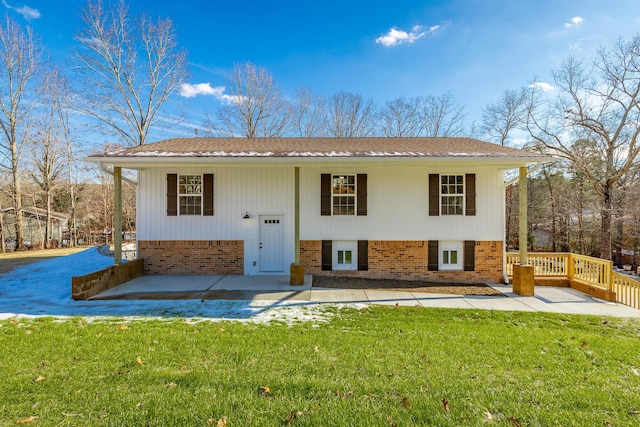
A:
345	255
450	256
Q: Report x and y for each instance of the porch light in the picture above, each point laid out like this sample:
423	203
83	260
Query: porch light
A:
246	215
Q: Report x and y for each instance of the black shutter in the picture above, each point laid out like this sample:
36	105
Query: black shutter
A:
361	188
363	255
207	194
434	194
470	194
172	194
469	255
325	194
432	256
327	249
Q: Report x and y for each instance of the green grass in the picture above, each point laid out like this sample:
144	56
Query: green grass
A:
376	367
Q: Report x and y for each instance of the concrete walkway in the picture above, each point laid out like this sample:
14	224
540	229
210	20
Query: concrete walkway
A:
277	288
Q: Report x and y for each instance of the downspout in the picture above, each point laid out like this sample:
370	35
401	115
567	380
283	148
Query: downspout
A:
504	271
536	168
117	215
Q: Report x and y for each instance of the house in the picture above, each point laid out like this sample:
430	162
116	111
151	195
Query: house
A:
34	226
403	208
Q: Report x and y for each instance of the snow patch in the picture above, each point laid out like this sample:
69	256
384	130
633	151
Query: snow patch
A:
44	289
199	154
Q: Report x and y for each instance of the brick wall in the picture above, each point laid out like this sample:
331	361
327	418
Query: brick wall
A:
407	260
84	287
192	256
311	256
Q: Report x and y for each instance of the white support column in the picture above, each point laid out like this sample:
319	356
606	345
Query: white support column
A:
522	215
296	277
297	216
117	215
523	273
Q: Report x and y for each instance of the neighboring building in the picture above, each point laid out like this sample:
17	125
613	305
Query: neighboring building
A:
34	222
403	208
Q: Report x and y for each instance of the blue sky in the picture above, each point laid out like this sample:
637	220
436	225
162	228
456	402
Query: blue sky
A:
379	49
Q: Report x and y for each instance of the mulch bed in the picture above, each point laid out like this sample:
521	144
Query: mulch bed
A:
403	285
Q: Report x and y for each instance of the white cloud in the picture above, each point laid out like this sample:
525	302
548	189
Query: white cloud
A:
397	37
189	91
576	20
545	87
27	12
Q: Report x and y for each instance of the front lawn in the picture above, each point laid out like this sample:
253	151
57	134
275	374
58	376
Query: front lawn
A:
379	366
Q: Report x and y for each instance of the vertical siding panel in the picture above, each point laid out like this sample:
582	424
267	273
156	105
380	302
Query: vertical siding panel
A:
266	188
257	195
231	228
397	205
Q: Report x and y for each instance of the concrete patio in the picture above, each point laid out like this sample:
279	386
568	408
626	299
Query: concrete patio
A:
277	288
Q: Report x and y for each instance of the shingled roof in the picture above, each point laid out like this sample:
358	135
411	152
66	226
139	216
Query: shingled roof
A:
321	147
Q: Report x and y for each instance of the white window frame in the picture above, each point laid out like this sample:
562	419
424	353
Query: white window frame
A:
445	252
448	195
190	191
344	246
353	195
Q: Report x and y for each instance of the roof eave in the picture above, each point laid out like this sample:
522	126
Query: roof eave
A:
135	162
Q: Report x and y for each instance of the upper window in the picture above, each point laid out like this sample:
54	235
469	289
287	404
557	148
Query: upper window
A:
344	194
190	194
452	194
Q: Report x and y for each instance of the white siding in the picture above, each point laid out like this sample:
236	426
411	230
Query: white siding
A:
398	207
256	190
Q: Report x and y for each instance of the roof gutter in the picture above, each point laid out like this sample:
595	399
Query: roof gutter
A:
106	170
171	161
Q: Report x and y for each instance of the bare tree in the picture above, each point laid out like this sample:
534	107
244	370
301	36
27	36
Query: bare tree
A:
209	127
506	114
598	104
47	151
70	160
399	118
307	113
441	116
19	64
53	142
130	70
633	216
255	107
349	115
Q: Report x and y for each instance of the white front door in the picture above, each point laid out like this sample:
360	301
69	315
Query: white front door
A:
271	243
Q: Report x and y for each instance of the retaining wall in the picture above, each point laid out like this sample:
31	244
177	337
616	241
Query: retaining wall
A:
84	287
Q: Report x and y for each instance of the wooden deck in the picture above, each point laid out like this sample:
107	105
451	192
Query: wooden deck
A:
587	274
